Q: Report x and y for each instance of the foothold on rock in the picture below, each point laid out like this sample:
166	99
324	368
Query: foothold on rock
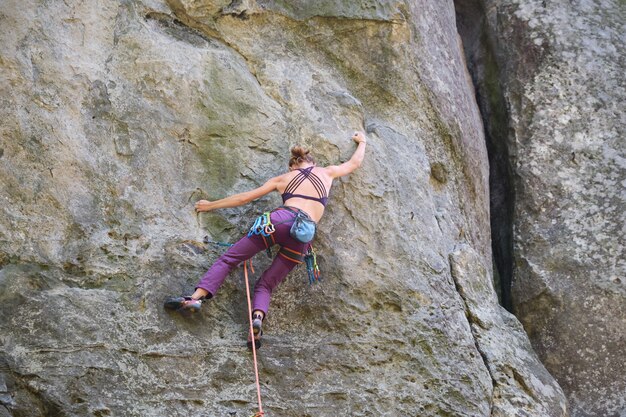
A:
439	172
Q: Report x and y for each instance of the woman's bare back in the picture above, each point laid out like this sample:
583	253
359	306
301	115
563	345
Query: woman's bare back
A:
313	208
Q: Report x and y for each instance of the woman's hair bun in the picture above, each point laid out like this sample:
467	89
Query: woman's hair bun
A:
300	154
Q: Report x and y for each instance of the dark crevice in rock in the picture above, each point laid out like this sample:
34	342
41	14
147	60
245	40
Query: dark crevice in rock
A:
519	379
483	67
178	30
472	321
206	29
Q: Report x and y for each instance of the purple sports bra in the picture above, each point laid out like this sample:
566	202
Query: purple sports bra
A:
306	174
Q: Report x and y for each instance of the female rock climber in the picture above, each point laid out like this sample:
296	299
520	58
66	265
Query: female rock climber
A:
304	189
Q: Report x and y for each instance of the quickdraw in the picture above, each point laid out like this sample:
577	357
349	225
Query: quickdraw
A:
311	266
262	226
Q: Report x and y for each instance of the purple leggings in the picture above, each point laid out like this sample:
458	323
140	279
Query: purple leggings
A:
245	249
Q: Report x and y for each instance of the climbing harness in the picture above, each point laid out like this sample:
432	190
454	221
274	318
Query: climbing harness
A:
303	228
292	255
309	259
312	268
260	413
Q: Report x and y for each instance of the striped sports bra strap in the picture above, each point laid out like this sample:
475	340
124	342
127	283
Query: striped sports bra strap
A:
318	184
295	182
306	174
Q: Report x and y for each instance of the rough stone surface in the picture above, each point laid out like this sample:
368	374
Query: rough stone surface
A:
117	116
559	67
517	377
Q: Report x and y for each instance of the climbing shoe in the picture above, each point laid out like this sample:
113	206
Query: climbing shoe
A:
257	340
184	304
257	323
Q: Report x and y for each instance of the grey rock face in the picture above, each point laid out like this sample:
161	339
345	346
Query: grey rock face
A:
561	68
117	116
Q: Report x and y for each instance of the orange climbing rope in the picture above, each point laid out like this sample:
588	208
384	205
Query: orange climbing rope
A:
260	413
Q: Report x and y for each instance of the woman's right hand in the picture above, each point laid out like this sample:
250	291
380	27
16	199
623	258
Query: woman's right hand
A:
359	137
203	205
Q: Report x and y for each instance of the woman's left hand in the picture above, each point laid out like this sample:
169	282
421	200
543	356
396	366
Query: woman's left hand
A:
203	205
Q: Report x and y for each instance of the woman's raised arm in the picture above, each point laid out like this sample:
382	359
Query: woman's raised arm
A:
354	162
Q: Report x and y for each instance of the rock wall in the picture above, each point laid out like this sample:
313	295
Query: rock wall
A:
117	116
550	78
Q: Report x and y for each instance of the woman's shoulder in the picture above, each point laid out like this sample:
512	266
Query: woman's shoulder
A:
283	178
322	170
324	174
